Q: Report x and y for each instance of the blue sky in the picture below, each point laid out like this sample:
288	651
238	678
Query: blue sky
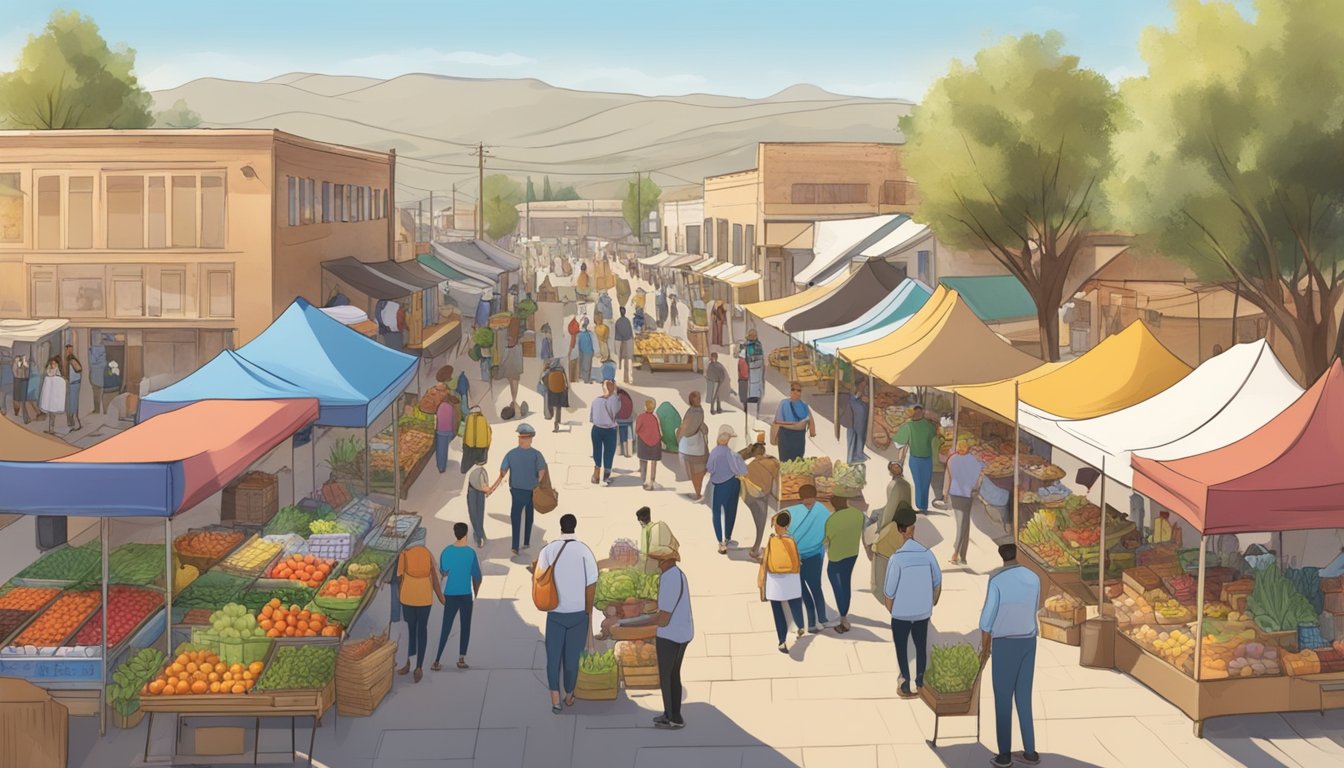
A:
888	49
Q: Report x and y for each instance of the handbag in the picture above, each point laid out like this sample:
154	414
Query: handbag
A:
545	595
545	498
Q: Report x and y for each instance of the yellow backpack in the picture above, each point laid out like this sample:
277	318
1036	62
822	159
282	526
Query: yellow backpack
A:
477	432
780	557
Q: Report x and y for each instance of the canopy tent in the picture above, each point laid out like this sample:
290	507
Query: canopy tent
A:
484	253
18	443
681	260
794	302
404	273
367	280
893	239
29	331
741	279
993	298
160	467
1124	369
656	260
901	303
943	344
864	288
700	267
1220	402
1284	476
834	241
724	271
486	272
448	271
228	376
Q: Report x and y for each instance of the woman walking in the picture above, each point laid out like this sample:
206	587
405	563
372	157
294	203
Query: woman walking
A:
693	443
478	487
648	444
74	374
625	421
725	468
51	399
419	588
779	580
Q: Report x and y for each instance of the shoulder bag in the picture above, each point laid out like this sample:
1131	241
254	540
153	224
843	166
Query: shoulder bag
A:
544	497
545	595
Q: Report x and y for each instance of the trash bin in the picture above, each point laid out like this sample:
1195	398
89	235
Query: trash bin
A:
1098	643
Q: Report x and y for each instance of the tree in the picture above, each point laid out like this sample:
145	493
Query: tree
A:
500	195
645	196
531	191
1008	154
565	193
546	188
177	116
1231	160
68	77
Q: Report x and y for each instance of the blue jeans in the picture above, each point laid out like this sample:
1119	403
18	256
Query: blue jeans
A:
485	369
901	633
1014	667
586	366
441	443
841	575
604	448
781	623
417	630
476	513
854	446
522	502
725	508
452	605
623	431
813	600
921	473
564	641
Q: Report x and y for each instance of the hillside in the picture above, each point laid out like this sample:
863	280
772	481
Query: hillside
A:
593	140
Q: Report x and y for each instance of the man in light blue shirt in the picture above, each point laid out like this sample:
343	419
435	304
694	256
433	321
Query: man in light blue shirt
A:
675	631
1008	631
808	529
913	584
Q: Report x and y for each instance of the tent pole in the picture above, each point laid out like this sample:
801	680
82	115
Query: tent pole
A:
789	349
366	461
396	458
1199	608
102	689
1017	435
835	414
871	394
171	573
1101	543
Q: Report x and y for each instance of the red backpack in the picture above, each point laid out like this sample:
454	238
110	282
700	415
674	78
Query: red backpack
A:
627	408
743	371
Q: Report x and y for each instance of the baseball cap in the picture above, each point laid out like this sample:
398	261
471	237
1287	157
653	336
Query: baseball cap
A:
727	430
526	429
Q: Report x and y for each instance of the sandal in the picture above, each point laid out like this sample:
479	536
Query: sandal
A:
569	700
419	674
462	664
556	709
404	669
435	667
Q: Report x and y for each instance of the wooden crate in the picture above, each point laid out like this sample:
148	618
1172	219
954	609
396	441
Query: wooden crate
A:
596	687
640	678
252	499
950	703
362	684
1067	635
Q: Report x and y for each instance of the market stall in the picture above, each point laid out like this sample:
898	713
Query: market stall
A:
658	351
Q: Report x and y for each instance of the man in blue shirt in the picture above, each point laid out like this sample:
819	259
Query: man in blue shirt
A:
587	344
808	529
960	483
526	468
461	583
675	631
1008	630
912	586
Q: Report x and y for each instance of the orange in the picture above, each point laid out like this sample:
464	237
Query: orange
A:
214	686
182	687
156	687
199	687
239	688
169	691
255	667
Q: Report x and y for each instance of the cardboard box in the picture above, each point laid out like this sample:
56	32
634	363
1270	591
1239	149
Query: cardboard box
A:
1068	636
34	730
220	740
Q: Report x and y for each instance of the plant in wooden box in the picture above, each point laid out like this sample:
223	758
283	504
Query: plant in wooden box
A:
952	679
597	677
1278	607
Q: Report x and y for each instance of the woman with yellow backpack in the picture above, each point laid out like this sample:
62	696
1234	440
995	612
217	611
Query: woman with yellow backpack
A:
780	581
475	438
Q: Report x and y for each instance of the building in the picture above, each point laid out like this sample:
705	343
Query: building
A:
763	217
681	215
164	247
581	219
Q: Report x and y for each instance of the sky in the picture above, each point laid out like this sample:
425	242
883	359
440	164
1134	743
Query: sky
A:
878	48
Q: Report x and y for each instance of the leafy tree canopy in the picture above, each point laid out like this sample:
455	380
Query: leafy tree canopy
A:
177	116
640	201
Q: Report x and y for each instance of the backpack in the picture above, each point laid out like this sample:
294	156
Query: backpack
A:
474	353
555	381
476	434
545	595
779	558
743	370
627	409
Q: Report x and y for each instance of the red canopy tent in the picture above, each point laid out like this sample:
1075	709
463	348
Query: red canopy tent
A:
1284	476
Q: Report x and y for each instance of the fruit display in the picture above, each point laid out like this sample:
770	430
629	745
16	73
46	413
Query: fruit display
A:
636	653
211	590
624	553
299	667
59	620
207	545
137	564
10	621
1183	588
183	577
1176	646
235	622
623	585
361	649
657	344
598	663
256	598
66	563
1133	609
128	606
1236	654
131	678
326	526
1089	537
305	569
201	672
1000	466
413	445
253	557
1276	605
1062	606
849	477
952	668
368	564
277	620
29	599
1041	469
1170	611
294	520
343	587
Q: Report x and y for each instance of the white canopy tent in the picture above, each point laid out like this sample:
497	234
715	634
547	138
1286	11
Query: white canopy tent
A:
906	233
832	240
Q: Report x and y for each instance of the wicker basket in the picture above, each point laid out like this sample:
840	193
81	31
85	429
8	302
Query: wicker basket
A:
592	687
361	684
253	499
643	677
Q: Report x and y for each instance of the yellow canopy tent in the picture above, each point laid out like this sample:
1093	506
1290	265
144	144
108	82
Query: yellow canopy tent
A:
19	444
1123	370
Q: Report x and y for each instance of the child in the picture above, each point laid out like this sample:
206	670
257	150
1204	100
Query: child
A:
478	484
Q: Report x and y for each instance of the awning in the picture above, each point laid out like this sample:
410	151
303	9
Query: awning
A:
681	260
1225	399
743	278
367	280
18	443
895	239
449	272
657	259
724	270
943	344
29	331
408	272
700	267
1124	369
834	241
993	298
1284	476
877	322
158	468
228	375
486	272
866	287
485	254
793	302
442	338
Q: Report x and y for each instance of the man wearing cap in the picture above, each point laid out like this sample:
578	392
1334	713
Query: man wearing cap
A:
1008	631
725	466
917	436
757	488
624	336
912	587
526	469
674	633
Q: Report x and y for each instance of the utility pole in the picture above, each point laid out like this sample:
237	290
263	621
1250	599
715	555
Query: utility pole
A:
480	190
639	205
431	216
419	222
528	200
453	224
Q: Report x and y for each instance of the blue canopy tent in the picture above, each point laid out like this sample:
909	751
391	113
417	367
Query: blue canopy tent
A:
228	373
887	316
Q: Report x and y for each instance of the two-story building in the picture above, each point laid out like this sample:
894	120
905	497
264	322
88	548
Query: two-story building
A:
163	247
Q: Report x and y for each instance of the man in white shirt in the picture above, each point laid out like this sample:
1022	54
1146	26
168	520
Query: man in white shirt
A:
1008	630
567	626
912	587
602	413
675	631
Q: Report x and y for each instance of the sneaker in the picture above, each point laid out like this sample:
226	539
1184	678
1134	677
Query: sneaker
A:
1001	761
905	693
670	726
1028	758
814	629
723	548
661	720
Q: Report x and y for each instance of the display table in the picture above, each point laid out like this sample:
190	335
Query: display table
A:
698	336
660	352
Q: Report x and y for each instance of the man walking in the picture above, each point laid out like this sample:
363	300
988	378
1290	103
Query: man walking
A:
808	528
602	413
674	633
526	468
917	437
844	528
1008	631
715	376
653	535
461	573
725	466
587	345
567	625
624	336
962	479
911	589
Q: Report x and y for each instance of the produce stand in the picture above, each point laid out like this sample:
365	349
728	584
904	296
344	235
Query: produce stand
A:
661	352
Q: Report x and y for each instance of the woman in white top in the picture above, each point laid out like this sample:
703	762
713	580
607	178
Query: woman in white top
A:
779	579
51	398
693	442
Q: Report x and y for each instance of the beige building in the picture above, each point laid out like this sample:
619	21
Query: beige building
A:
164	247
680	218
599	219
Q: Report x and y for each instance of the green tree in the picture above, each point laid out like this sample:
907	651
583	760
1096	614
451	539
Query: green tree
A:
1007	155
68	77
645	196
177	116
566	192
531	191
1231	159
500	195
546	188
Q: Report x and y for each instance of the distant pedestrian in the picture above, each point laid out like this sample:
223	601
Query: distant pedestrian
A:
511	367
625	421
74	375
725	467
917	436
604	306
715	377
912	587
858	427
718	320
22	371
602	414
608	370
758	488
555	386
693	443
660	306
525	468
676	629
52	397
946	434
793	423
602	332
546	345
648	444
844	528
964	472
445	430
624	336
568	624
751	373
461	573
672	309
586	347
419	587
779	581
898	492
808	530
478	487
1008	631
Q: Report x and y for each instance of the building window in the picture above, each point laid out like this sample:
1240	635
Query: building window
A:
218	293
128	293
709	237
184	212
11	207
338	201
693	238
125	211
158	212
386	211
79	212
895	192
737	243
721	235
44	293
368	203
292	188
307	201
212	210
81	294
924	267
49	212
749	244
347	194
326	202
828	194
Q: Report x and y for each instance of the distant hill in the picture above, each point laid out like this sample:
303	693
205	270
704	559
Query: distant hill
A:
596	141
